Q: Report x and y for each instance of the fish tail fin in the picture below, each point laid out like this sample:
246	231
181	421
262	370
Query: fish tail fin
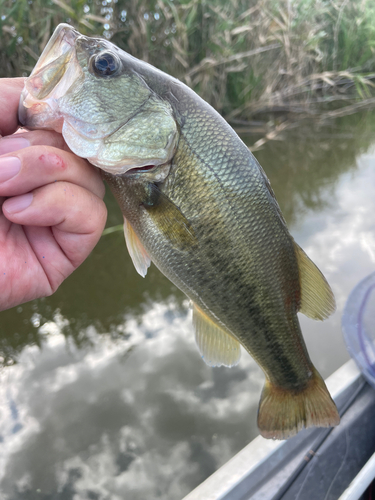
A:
282	413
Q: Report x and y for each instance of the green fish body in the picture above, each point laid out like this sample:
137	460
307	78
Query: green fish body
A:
197	204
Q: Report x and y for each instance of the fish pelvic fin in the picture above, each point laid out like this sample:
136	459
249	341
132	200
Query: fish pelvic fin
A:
217	347
138	254
317	299
282	413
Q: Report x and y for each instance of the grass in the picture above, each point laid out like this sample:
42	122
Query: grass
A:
244	57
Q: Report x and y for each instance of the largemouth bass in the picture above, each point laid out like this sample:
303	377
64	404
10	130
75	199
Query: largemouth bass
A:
196	203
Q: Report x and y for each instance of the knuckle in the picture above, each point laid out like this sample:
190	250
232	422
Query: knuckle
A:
98	216
101	188
52	160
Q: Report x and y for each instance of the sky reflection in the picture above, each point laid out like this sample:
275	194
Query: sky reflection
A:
341	241
128	416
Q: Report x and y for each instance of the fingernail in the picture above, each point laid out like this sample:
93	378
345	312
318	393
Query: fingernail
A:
12	143
18	203
9	167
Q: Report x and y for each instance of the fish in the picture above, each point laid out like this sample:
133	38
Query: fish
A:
199	206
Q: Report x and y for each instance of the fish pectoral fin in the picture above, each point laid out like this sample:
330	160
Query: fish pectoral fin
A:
317	299
138	254
169	219
282	413
215	345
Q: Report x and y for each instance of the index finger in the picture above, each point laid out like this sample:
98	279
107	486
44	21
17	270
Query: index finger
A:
10	90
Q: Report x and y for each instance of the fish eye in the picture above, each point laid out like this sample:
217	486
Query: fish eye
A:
105	64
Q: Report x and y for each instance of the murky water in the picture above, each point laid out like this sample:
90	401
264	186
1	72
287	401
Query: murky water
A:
103	394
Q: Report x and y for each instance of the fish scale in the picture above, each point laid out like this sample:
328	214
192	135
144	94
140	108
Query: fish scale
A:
199	206
231	267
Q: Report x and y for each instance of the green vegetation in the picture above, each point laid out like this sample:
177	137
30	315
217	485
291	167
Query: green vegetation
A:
245	57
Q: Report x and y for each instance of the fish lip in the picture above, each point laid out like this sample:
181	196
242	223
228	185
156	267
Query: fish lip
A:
64	36
62	41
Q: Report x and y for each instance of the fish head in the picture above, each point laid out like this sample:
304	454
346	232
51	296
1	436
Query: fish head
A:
93	93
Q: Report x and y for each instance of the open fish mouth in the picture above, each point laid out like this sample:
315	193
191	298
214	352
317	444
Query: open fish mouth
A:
87	90
55	71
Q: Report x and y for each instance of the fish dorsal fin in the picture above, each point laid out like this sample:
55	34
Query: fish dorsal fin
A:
138	254
216	346
317	299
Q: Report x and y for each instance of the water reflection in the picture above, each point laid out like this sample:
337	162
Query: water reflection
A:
306	164
341	239
120	416
103	393
99	293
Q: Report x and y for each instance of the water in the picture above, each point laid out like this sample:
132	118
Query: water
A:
103	394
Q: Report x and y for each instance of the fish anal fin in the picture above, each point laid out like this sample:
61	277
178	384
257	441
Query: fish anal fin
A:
138	254
317	299
215	345
282	413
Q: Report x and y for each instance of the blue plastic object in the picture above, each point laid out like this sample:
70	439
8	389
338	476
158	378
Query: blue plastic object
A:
358	326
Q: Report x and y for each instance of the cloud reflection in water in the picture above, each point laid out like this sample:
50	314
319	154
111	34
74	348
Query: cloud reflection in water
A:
341	241
142	417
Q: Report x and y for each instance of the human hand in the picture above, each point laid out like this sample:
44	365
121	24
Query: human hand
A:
52	210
